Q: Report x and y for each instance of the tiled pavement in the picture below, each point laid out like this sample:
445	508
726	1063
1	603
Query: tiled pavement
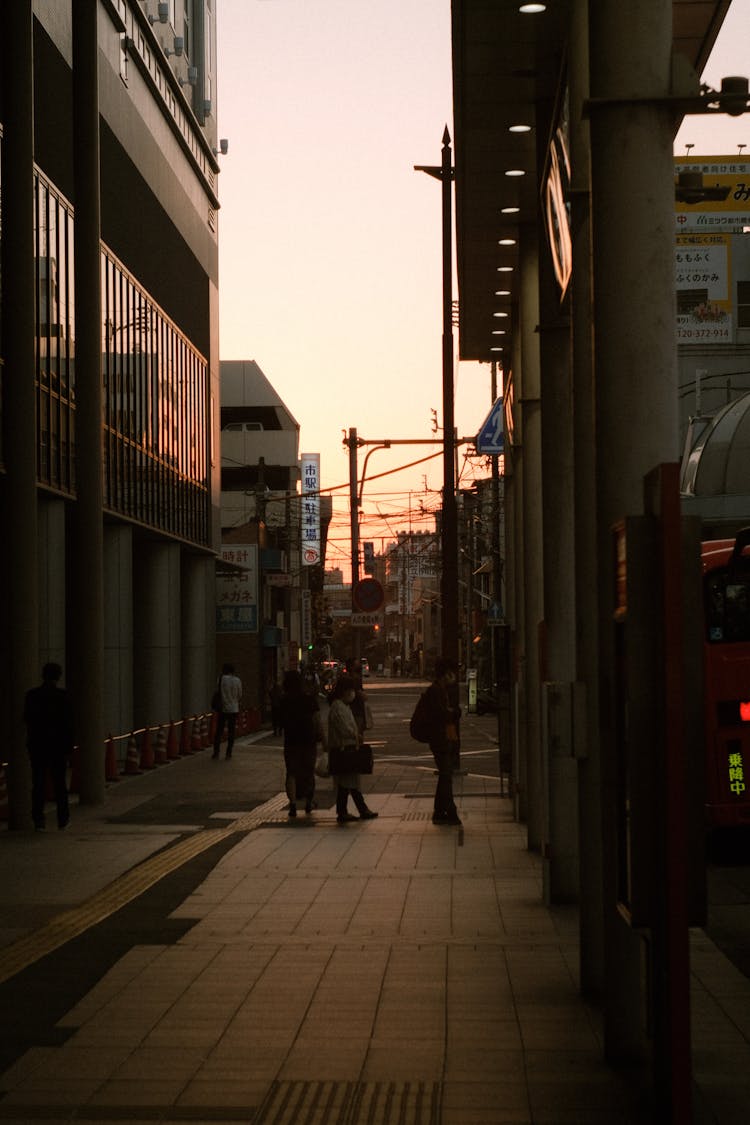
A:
383	972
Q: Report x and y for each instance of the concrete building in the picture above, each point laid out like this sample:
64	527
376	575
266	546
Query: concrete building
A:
109	474
260	509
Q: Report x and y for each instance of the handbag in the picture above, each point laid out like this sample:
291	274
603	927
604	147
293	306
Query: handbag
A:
321	765
350	759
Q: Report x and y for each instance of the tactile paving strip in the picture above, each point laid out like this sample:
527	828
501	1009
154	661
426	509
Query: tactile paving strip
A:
350	1103
32	947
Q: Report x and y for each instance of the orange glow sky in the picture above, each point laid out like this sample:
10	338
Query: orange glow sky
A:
330	266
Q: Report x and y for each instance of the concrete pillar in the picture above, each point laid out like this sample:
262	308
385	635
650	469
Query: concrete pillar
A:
52	582
118	629
198	631
86	618
156	631
516	577
20	611
533	536
636	376
584	469
560	830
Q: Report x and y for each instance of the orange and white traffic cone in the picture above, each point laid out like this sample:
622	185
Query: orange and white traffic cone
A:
205	733
147	751
132	761
111	772
185	738
161	757
196	742
173	749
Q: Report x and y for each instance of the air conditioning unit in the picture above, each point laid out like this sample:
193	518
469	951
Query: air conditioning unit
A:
206	107
163	9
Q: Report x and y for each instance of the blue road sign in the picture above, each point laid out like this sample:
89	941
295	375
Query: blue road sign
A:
490	439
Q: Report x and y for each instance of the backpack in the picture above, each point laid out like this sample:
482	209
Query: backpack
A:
421	724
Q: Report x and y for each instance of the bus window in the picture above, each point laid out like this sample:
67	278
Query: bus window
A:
727	608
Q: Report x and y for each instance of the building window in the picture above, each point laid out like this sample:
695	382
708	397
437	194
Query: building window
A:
156	428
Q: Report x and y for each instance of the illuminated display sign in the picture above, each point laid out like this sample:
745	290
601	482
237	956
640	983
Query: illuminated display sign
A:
732	712
736	773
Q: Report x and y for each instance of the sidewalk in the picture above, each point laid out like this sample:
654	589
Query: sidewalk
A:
381	972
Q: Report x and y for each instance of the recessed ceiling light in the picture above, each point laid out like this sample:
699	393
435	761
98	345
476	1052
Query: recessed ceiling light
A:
515	172
506	241
505	269
497	349
519	128
510	210
498	332
532	9
502	292
499	314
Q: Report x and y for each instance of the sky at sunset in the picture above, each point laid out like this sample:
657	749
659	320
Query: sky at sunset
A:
330	254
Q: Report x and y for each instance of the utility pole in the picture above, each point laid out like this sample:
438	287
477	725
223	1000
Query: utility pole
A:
449	523
354	521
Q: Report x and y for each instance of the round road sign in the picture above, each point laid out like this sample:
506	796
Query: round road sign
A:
368	595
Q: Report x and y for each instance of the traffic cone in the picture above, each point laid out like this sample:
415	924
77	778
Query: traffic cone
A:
205	733
147	751
132	761
195	742
111	772
173	749
4	810
185	738
161	757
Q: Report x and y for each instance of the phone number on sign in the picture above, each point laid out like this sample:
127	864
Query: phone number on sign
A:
703	334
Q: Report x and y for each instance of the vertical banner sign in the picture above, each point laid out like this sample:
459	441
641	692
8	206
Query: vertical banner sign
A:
306	618
310	464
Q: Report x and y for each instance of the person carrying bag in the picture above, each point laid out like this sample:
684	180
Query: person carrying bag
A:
345	752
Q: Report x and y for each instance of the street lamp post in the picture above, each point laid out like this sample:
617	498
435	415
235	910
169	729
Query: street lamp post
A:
449	525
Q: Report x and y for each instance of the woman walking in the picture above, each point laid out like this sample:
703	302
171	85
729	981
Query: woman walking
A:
342	732
300	721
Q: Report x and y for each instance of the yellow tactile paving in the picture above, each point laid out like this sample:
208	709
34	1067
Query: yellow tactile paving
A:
69	924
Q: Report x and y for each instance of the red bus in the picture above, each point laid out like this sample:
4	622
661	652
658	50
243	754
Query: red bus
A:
726	599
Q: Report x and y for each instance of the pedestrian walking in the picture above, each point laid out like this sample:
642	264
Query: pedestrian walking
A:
343	733
303	730
229	689
48	714
443	718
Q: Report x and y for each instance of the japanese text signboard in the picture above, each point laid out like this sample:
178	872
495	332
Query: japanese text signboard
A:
702	280
310	465
237	594
720	203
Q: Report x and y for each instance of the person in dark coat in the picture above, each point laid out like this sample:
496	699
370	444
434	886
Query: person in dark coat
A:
300	721
48	715
443	738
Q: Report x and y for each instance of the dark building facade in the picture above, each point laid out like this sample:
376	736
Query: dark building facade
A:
109	474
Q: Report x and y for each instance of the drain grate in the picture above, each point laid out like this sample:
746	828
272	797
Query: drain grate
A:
350	1103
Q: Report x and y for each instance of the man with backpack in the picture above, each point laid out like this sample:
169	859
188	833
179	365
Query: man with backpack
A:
435	721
